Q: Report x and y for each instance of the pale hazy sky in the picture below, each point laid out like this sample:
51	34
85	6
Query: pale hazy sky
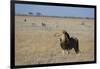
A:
54	10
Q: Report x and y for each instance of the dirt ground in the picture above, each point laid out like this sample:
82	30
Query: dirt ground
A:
35	42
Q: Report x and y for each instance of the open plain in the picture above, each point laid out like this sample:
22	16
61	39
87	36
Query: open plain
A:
35	42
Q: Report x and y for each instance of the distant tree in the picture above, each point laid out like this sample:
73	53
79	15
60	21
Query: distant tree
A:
30	13
38	14
87	17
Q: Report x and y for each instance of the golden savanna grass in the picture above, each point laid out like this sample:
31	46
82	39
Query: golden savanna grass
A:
36	44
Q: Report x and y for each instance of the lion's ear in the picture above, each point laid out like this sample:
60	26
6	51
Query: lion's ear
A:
57	34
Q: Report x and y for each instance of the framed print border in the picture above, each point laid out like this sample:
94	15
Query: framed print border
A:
12	36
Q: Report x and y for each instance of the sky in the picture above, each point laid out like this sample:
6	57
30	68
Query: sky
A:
54	10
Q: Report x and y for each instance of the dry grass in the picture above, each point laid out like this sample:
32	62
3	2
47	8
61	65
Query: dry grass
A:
38	45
